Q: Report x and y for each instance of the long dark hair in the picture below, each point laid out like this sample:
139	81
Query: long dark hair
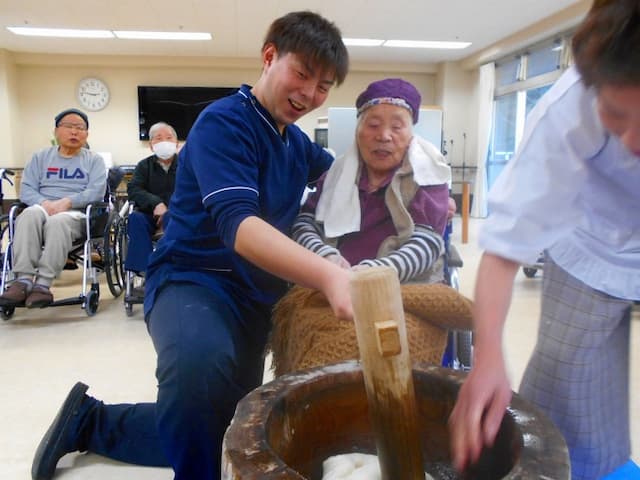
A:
606	46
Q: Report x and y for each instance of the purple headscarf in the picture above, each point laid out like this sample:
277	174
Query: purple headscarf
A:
395	91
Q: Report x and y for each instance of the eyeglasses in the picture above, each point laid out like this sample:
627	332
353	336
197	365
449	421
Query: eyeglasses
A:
73	126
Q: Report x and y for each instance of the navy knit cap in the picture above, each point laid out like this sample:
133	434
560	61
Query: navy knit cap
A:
395	91
68	111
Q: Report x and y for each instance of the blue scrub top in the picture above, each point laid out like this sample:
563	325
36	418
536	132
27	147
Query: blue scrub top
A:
234	164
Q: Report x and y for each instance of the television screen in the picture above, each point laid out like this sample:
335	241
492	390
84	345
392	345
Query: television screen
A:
177	106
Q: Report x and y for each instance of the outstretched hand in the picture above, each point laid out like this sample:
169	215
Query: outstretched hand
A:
338	294
478	413
339	260
158	212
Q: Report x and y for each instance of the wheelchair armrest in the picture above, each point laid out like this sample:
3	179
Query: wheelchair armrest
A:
16	209
97	215
19	205
95	205
453	257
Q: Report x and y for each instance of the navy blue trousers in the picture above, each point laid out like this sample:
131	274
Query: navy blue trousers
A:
140	230
209	356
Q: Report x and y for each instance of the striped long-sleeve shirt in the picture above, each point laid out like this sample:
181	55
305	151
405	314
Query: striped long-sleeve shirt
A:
412	259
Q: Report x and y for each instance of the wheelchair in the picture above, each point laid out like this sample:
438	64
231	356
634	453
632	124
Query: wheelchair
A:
459	352
5	175
120	231
530	270
96	252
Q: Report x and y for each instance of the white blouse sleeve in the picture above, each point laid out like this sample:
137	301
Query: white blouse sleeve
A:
536	199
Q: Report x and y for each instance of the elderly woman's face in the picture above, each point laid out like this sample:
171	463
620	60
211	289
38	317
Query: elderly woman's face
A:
383	136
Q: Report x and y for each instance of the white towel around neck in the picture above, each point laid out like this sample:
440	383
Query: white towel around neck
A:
339	204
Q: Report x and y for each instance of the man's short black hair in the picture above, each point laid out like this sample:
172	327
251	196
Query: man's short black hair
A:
311	36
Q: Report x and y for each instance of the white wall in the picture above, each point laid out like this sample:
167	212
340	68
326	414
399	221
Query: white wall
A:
8	112
455	94
47	85
45	90
34	87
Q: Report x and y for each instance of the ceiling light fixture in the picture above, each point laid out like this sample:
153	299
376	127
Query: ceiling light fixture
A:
362	42
60	32
425	44
138	35
78	33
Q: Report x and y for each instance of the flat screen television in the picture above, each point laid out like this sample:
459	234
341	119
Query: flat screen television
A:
177	106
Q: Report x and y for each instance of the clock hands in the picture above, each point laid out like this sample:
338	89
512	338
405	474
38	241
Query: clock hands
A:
93	94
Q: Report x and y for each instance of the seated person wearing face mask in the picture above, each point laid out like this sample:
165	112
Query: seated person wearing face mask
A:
150	189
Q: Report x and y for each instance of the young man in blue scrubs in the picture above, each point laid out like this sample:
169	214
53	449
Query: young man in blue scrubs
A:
572	190
223	262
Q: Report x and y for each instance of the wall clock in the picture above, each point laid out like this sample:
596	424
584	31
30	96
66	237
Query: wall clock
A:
93	94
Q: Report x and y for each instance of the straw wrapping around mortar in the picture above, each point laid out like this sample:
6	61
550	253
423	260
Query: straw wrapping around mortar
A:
307	334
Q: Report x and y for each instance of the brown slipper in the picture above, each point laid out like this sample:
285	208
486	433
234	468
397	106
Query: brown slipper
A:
39	297
16	294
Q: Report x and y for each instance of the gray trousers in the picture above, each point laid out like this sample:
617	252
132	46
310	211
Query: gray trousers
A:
579	371
43	242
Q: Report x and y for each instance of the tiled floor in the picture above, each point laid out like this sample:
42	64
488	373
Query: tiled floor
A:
43	352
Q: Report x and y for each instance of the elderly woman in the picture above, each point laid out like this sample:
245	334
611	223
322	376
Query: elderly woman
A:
386	201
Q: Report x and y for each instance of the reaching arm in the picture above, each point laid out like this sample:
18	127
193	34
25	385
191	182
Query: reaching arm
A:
486	392
308	233
415	256
267	248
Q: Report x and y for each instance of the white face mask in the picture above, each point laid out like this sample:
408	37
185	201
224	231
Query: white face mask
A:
164	150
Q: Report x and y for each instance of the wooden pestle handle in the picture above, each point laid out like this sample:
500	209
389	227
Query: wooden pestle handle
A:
384	354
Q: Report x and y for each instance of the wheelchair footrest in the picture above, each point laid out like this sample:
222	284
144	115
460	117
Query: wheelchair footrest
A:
133	299
67	301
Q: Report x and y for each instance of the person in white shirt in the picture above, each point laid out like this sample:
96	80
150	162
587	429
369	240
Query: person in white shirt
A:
572	191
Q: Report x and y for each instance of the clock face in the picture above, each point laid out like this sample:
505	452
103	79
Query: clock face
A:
93	94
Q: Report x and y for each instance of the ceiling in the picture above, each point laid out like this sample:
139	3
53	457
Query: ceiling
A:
238	26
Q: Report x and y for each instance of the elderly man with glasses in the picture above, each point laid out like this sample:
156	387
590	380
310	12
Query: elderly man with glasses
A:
57	184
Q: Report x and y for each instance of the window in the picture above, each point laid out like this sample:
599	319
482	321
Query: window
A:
521	80
504	135
533	95
544	59
507	72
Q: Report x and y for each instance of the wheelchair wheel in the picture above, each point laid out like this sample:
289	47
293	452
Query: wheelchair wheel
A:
464	343
128	308
529	272
4	236
7	312
122	242
91	302
112	257
453	279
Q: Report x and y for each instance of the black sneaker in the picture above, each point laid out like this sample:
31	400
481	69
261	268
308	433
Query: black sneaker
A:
55	443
